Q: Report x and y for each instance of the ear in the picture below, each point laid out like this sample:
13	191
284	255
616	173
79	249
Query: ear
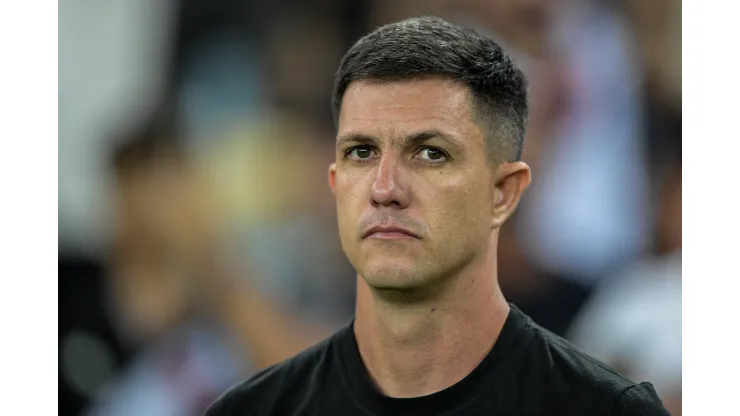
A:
332	177
511	180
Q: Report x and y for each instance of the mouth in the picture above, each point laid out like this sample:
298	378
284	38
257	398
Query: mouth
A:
388	232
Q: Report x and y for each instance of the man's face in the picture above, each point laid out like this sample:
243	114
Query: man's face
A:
410	160
155	228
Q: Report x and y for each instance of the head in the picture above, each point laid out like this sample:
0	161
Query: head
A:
153	222
430	125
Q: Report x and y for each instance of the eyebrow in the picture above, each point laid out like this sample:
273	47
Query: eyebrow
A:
411	140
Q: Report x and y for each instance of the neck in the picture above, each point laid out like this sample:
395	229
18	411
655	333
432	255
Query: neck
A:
417	348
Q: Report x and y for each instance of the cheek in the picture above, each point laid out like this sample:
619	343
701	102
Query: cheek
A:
350	202
351	190
457	206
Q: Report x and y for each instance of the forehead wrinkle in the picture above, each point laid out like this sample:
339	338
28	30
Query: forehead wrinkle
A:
374	109
372	125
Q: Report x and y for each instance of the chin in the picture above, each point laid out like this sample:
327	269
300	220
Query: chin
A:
393	275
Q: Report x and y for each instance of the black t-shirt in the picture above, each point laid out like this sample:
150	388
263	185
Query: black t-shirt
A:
529	371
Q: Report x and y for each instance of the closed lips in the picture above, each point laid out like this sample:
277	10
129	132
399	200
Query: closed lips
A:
388	230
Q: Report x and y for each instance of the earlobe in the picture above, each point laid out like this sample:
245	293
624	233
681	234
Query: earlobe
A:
332	177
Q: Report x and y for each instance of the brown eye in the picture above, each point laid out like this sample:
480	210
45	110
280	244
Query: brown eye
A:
360	153
432	155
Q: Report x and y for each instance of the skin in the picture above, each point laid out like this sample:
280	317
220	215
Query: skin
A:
164	226
150	293
409	154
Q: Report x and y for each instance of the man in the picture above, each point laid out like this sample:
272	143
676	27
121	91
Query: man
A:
197	332
430	121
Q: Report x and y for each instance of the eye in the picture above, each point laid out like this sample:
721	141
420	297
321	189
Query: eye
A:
360	153
432	155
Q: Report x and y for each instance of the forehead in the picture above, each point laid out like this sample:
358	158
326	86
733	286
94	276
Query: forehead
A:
404	106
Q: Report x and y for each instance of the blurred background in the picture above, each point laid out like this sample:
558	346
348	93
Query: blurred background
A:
197	234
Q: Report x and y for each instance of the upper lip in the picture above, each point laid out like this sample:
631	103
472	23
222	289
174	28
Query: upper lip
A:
387	229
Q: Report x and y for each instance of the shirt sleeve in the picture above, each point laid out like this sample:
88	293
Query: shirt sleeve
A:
639	400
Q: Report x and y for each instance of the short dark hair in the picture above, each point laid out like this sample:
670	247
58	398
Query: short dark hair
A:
154	139
430	46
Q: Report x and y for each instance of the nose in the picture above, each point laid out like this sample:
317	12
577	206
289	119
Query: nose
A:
388	187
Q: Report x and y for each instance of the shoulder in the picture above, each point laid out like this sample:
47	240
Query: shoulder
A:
640	400
585	384
264	392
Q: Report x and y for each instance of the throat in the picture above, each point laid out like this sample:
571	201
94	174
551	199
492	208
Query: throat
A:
418	349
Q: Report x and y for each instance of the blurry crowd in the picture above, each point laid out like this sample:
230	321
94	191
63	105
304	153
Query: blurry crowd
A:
198	238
